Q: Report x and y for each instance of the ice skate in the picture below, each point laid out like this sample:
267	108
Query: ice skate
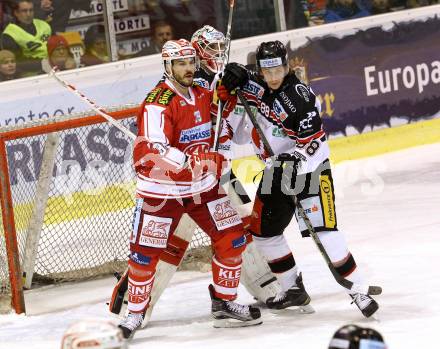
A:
367	305
130	324
296	296
231	314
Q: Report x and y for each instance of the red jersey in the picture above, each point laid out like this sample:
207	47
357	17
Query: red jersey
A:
170	127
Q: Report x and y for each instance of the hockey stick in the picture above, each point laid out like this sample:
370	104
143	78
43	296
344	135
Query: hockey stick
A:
372	290
92	104
226	60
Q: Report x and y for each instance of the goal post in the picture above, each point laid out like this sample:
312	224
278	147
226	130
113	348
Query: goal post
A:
23	215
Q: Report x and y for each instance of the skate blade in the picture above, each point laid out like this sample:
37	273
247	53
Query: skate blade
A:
302	309
232	323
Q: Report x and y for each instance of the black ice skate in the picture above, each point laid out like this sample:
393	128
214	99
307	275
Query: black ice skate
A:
367	305
131	323
296	296
231	314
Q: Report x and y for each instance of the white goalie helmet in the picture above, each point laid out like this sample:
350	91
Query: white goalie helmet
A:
176	49
210	46
93	334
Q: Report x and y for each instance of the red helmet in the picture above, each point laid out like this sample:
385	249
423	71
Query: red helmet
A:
210	46
177	49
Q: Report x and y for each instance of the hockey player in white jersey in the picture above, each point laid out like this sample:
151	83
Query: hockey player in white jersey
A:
210	46
289	115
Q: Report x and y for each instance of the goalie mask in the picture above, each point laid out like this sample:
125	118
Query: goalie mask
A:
176	49
356	337
93	334
210	46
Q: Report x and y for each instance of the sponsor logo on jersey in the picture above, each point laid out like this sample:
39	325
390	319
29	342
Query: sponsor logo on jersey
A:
309	210
196	133
151	97
155	231
287	101
279	111
300	156
228	278
306	123
303	92
140	258
241	241
165	97
278	132
223	213
138	294
197	117
254	88
201	82
327	202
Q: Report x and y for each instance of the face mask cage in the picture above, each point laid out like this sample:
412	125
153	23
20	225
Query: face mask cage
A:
213	53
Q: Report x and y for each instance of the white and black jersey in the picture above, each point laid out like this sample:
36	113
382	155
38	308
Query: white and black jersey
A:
290	119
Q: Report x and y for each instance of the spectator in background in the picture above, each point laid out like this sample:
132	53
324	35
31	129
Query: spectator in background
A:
5	17
380	6
26	37
161	32
296	11
186	15
96	46
339	10
8	67
57	12
58	54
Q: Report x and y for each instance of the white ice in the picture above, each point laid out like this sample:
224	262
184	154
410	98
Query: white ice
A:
388	208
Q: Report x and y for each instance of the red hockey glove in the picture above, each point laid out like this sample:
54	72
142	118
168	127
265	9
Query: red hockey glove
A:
223	94
206	162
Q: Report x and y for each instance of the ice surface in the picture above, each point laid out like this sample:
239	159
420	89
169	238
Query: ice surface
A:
388	208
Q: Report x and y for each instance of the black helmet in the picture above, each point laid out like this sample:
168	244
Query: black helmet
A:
271	54
356	337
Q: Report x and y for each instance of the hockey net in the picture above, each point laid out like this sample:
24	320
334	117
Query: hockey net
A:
67	202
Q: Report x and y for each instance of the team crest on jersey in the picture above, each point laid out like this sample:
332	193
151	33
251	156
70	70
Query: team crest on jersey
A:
197	117
182	103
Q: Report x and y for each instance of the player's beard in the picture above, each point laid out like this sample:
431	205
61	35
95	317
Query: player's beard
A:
185	80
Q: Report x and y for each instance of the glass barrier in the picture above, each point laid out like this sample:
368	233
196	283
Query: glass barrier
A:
39	34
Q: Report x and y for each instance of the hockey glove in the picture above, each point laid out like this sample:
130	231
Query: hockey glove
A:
223	94
285	174
206	162
235	75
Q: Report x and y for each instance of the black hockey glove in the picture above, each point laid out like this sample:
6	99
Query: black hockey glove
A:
285	173
235	75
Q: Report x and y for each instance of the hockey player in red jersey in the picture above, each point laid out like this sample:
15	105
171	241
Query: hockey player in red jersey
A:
176	174
289	115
